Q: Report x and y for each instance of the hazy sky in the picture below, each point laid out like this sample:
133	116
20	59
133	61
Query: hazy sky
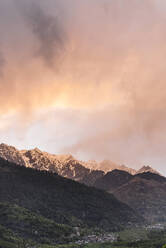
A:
85	77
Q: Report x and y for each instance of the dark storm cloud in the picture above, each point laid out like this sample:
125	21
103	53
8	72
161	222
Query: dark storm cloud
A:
48	30
2	63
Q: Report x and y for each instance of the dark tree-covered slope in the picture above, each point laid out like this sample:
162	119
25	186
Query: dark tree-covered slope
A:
147	194
144	192
62	200
112	180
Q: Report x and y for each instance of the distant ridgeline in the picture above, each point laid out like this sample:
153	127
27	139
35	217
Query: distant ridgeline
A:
144	192
65	165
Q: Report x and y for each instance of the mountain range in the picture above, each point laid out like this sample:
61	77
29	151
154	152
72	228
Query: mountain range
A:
143	190
65	165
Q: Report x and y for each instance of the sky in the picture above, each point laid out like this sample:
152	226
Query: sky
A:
86	78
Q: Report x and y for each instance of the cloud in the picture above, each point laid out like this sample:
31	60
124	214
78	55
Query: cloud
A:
110	57
48	30
2	63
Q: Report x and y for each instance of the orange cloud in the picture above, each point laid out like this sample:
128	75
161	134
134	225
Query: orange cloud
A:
103	58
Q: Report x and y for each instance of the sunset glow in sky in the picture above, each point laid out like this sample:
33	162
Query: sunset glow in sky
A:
85	77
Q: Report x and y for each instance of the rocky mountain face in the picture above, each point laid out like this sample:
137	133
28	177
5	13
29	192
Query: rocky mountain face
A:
11	154
64	165
62	200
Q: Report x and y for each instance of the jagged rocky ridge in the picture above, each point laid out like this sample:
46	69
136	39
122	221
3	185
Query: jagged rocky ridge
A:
64	165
